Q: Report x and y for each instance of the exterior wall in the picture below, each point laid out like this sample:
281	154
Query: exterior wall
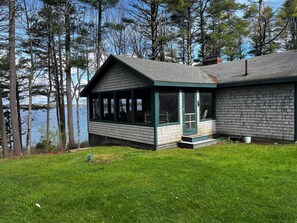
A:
135	133
118	78
170	134
207	127
258	111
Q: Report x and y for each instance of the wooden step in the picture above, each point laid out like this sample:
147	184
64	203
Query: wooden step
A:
194	138
195	145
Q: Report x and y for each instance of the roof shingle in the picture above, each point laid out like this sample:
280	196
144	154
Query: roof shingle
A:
272	66
167	72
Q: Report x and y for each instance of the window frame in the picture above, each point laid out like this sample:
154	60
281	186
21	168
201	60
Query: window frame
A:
115	97
213	104
91	106
177	91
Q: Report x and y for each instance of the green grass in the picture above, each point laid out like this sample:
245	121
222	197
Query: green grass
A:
222	183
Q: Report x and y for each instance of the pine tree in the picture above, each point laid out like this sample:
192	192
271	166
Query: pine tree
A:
100	6
288	14
263	26
17	150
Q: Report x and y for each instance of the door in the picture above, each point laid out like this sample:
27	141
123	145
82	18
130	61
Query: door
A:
190	113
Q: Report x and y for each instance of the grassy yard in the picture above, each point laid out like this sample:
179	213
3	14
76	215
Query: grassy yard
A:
222	183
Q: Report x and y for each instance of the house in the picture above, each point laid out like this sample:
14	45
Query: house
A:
155	105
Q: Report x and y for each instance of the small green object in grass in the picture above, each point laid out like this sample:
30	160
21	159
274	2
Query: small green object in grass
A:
89	157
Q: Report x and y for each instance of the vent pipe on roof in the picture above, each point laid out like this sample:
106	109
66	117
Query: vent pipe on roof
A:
246	68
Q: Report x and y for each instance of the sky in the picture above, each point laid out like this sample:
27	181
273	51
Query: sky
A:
273	3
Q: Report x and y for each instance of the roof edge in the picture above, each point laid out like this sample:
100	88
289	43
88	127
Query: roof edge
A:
183	84
111	59
258	82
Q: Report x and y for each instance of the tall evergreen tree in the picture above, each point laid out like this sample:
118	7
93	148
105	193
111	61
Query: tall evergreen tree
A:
263	27
4	87
288	14
68	31
226	29
100	6
17	150
185	17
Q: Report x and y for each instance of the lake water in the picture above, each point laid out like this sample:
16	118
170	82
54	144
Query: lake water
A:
39	124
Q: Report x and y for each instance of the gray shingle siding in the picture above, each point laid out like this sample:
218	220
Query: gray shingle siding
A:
259	111
135	133
118	78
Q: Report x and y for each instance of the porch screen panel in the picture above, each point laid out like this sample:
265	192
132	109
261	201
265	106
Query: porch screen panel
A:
206	105
94	108
142	107
168	108
107	107
124	106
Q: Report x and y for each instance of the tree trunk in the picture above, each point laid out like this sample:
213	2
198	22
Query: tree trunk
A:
3	129
48	107
154	29
61	102
189	37
30	79
202	7
68	77
49	59
99	46
59	98
17	150
19	114
77	111
29	129
78	122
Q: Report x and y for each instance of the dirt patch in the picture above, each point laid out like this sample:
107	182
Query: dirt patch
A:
105	158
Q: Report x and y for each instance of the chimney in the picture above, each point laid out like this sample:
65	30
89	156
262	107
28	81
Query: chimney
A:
246	68
212	60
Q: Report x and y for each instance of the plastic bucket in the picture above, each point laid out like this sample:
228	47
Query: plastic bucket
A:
247	139
89	157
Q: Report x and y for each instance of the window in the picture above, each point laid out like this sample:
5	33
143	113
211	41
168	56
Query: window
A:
168	109
142	106
107	110
124	107
94	108
206	105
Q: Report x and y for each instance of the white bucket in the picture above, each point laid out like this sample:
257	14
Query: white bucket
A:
247	139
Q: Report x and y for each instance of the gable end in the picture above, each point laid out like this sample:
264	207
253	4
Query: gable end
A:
118	77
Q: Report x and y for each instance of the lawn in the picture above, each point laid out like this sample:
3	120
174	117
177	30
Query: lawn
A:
221	183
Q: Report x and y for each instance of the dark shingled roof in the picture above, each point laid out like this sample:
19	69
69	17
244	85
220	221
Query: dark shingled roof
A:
269	67
167	72
273	68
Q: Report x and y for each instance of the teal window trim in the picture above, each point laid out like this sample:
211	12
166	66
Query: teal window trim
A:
90	106
295	109
100	105
133	122
196	113
121	90
168	124
122	123
115	107
155	113
178	110
207	119
183	112
183	84
133	106
213	104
